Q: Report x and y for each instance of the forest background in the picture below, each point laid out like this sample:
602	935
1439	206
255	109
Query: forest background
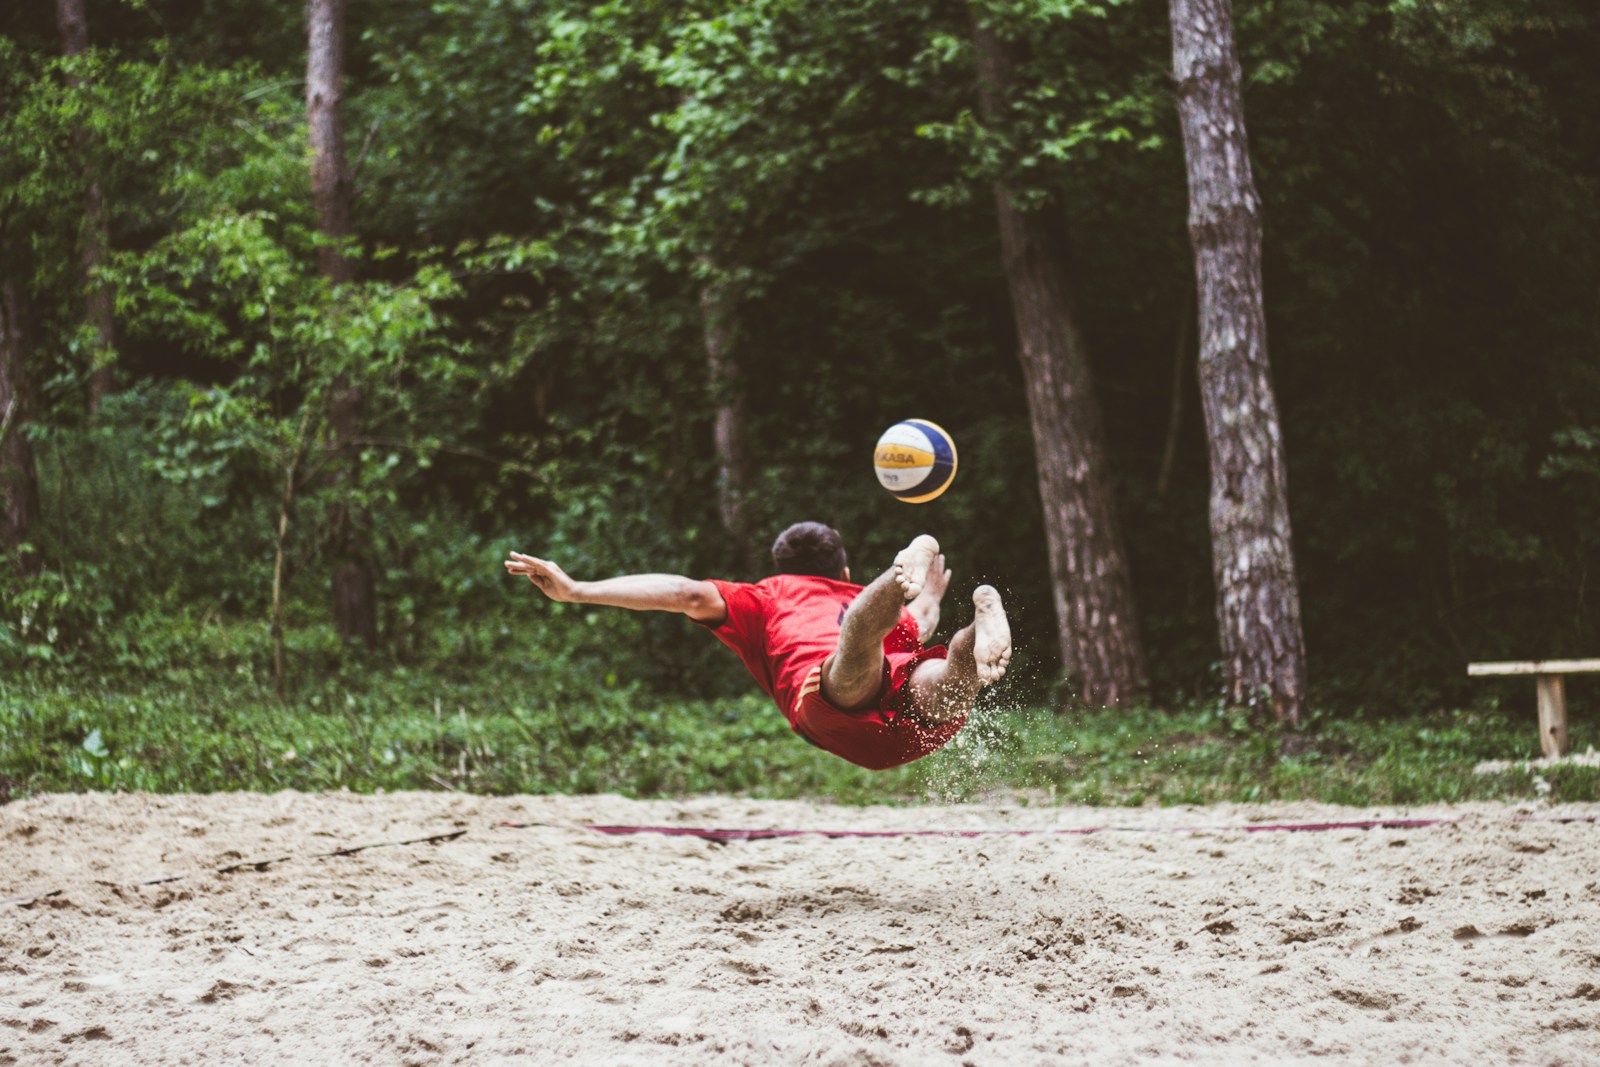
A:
582	235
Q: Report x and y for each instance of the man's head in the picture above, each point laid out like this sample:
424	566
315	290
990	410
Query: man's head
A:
810	548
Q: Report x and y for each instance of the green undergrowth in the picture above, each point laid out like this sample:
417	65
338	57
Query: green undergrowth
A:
509	729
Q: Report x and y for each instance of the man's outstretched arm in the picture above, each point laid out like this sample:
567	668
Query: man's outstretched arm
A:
638	592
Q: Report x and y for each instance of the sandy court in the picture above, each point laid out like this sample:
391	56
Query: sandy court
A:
1172	935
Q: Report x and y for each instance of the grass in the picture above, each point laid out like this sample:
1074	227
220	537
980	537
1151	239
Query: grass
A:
513	730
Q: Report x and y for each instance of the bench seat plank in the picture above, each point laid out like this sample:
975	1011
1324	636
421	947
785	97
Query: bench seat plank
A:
1546	666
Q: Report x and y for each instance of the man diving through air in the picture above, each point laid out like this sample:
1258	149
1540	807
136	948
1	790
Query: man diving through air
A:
845	663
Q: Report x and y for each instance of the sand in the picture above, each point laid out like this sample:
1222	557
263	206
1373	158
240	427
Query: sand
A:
1172	935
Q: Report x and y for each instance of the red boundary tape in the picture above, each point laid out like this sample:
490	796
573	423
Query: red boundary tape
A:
719	834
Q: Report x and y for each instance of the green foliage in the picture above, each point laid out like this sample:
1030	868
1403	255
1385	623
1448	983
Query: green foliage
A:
1049	130
555	723
243	289
1418	407
138	555
137	130
596	169
50	616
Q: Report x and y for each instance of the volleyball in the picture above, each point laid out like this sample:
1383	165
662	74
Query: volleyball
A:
915	460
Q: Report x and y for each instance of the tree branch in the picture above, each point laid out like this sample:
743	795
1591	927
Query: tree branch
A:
453	450
361	157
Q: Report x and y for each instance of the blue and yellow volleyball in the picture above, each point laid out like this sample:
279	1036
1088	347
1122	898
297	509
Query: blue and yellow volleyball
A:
915	460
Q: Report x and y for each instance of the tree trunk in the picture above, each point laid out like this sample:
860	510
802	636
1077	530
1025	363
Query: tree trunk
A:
1258	600
1100	643
330	167
94	241
19	476
728	429
354	602
280	555
19	480
280	558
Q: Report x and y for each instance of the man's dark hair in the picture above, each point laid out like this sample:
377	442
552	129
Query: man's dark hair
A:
809	548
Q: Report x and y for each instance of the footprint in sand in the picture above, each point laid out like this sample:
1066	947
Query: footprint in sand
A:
94	1033
222	990
1367	998
325	950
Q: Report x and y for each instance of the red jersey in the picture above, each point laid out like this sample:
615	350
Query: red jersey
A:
784	627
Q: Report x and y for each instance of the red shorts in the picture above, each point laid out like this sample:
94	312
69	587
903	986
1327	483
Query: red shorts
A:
875	738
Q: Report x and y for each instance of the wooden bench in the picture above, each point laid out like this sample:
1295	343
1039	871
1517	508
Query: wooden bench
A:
1548	675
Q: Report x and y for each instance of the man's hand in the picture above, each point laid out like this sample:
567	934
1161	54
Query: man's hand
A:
551	580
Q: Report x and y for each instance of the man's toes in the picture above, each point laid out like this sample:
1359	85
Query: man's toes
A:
903	578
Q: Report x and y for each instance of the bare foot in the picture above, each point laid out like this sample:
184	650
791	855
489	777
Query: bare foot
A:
938	580
991	632
911	566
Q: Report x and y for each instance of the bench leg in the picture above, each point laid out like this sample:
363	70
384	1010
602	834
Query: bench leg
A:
1552	714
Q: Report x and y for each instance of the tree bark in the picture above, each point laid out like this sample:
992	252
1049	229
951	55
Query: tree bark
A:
1100	643
19	479
727	387
1258	599
354	600
94	241
330	167
19	475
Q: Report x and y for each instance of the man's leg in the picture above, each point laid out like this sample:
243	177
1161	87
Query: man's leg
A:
852	677
943	689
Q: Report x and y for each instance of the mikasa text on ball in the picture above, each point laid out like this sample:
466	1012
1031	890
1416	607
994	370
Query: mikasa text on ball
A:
915	460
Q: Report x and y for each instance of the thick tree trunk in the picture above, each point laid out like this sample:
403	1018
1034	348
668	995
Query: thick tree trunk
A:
1100	643
1258	599
330	166
19	480
94	241
728	428
354	601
